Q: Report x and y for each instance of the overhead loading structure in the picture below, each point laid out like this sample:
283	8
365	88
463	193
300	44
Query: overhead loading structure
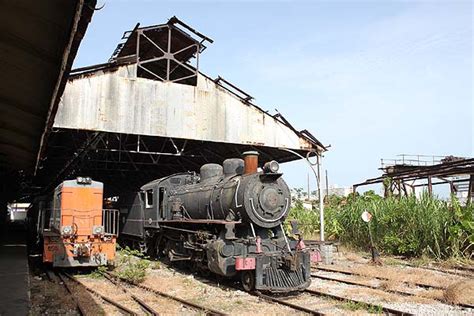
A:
150	112
402	176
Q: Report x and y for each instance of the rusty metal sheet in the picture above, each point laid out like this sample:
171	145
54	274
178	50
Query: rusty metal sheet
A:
118	102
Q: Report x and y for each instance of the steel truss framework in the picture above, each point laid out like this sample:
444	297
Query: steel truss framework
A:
399	180
163	52
126	161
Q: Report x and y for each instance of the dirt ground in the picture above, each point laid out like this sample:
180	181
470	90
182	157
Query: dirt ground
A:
427	291
447	290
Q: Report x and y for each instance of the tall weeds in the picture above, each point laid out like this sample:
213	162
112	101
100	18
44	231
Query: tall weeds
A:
407	226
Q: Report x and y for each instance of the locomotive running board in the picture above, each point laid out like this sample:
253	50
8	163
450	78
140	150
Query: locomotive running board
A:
199	221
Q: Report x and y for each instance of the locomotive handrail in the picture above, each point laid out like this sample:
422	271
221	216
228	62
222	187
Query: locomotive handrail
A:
110	221
287	202
236	192
109	218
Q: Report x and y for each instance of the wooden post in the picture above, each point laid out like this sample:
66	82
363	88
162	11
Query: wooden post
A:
405	188
470	191
430	186
399	184
452	188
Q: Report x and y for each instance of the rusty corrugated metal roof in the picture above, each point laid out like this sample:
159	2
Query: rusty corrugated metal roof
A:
38	41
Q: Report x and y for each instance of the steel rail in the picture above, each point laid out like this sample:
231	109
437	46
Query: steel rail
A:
291	305
423	285
375	287
458	270
144	305
346	299
103	297
207	310
78	305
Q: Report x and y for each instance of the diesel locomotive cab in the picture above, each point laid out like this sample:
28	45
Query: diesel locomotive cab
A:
227	220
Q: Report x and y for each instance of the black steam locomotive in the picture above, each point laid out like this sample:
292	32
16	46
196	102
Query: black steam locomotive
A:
227	220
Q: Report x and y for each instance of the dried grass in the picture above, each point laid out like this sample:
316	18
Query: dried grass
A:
363	293
460	292
432	294
352	257
388	285
407	275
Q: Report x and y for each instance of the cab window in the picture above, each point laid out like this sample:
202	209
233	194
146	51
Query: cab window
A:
149	198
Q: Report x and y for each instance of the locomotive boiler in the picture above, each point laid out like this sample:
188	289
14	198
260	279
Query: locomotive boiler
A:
227	220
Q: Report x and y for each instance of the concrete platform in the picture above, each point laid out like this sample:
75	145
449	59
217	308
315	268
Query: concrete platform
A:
14	272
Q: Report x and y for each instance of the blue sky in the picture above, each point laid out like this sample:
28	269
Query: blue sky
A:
373	79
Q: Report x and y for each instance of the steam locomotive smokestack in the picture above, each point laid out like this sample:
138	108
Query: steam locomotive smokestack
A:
250	162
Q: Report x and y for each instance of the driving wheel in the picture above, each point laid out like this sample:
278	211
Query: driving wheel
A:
248	280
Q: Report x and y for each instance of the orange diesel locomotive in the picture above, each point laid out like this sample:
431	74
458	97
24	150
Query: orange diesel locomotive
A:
74	229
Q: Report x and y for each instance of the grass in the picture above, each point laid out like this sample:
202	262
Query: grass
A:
355	306
409	226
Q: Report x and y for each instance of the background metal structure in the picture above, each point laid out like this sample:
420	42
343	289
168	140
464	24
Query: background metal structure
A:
401	176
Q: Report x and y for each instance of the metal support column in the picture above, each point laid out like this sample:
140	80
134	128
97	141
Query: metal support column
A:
321	199
317	174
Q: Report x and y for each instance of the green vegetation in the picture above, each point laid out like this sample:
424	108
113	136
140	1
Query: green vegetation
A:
410	226
98	273
354	306
132	265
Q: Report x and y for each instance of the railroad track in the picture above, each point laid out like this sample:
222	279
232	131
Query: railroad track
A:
457	270
362	303
288	304
200	308
423	285
111	301
269	298
80	308
374	287
310	311
331	296
349	282
147	308
398	292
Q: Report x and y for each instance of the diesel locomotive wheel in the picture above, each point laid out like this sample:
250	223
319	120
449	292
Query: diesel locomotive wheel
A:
248	280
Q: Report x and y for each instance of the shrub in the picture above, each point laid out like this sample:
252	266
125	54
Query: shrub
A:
98	273
407	226
133	265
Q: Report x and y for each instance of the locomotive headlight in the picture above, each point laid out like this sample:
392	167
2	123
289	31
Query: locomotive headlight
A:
83	180
98	230
66	230
271	167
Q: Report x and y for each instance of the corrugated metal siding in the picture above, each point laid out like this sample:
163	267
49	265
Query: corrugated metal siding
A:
118	102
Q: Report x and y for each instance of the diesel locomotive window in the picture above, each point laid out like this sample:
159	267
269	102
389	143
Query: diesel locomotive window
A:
149	198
